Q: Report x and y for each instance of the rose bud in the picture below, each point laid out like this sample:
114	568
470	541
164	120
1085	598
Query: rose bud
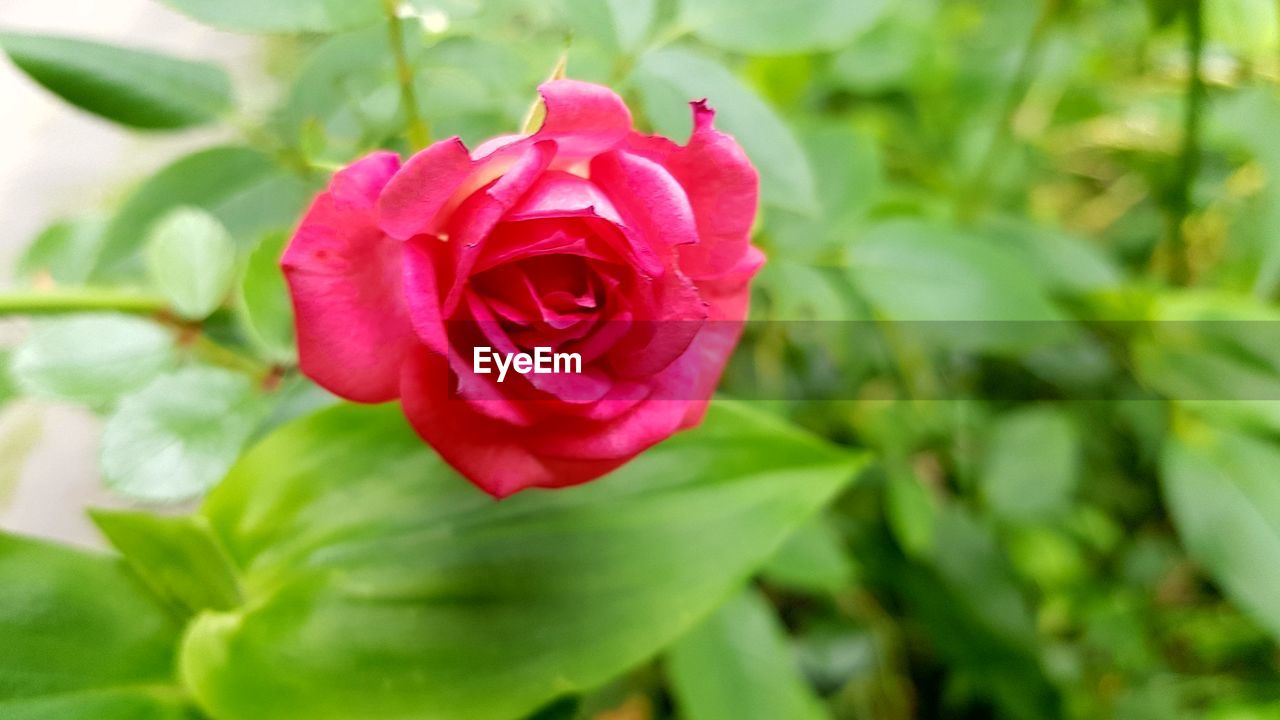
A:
627	250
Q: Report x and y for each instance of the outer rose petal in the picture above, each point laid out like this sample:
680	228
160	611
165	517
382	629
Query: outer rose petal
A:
344	278
491	454
583	118
723	188
416	194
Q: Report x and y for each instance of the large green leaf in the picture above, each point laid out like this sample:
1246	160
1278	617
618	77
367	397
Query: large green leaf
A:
241	187
1032	465
135	88
1224	496
379	584
669	79
82	638
768	26
281	16
737	665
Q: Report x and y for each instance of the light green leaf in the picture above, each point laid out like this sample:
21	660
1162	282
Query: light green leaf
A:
82	639
467	608
953	288
65	252
192	259
1032	465
178	557
737	665
1222	492
281	16
632	20
175	438
91	359
21	427
140	89
669	79
779	28
812	560
264	308
241	187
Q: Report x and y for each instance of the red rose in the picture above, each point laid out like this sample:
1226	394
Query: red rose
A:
629	250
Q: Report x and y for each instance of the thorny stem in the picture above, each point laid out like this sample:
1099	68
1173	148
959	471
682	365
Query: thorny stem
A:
418	131
1189	157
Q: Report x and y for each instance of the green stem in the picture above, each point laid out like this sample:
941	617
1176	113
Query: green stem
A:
1188	166
74	300
1024	74
418	131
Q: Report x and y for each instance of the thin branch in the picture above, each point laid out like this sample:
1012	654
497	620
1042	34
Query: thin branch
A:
1188	167
418	131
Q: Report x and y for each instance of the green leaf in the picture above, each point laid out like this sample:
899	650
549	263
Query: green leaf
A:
737	665
175	438
1032	465
467	608
812	560
140	89
192	260
954	288
669	79
82	639
239	186
21	427
779	28
178	557
1222	492
632	20
264	308
91	359
64	251
281	16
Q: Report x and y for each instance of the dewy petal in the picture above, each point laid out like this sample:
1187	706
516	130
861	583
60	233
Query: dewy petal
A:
724	190
412	200
344	279
650	199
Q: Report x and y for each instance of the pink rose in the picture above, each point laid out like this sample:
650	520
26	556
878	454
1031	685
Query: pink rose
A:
587	237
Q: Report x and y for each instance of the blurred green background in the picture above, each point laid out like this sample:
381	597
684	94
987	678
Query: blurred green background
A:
1072	512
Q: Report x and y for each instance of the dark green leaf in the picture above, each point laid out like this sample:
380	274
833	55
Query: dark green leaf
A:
132	87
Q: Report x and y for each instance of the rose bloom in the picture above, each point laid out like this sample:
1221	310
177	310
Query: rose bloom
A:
586	236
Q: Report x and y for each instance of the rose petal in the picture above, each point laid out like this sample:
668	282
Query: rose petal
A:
344	279
489	453
412	200
583	118
422	255
650	199
475	219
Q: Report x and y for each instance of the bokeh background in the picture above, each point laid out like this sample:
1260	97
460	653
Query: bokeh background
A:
1025	252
